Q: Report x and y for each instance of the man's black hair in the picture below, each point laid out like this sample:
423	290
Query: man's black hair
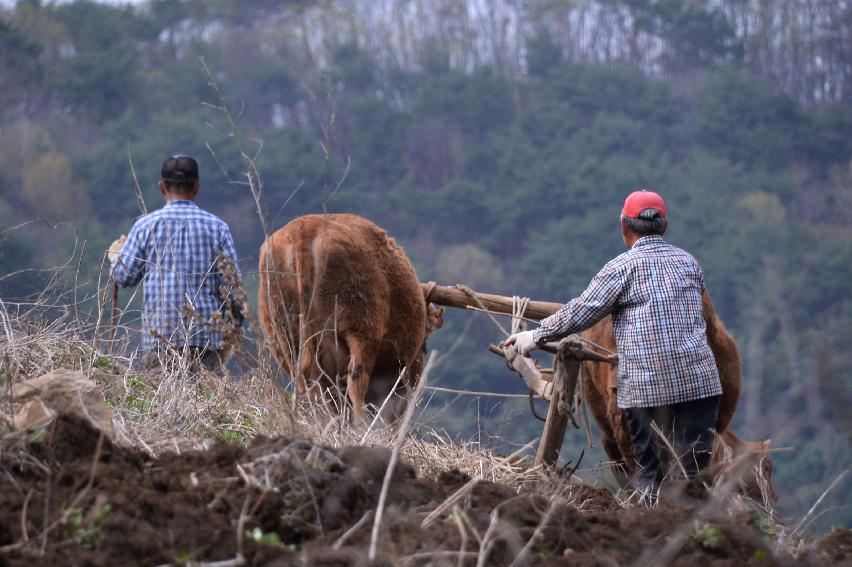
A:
649	221
179	173
181	186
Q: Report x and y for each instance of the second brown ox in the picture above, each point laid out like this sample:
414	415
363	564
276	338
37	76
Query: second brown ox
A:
599	392
338	297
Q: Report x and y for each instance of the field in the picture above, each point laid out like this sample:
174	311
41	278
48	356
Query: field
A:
232	471
495	141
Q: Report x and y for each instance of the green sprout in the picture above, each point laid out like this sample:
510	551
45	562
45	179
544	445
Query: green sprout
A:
708	536
269	538
38	434
85	532
763	524
542	550
140	395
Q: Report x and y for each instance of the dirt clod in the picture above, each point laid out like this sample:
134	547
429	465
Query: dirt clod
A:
71	496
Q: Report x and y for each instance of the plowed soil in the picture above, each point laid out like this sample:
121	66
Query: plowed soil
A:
70	497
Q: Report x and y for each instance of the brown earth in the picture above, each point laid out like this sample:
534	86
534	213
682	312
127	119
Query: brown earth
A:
68	496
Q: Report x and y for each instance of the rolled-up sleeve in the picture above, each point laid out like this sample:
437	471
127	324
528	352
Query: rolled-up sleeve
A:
596	302
129	268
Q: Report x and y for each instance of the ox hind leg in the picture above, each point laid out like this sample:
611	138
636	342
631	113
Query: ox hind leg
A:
600	407
362	360
392	383
306	371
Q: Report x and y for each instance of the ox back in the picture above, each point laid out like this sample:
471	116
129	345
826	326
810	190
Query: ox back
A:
338	298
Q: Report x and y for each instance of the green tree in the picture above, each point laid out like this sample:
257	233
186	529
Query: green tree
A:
101	73
698	34
543	54
745	120
50	190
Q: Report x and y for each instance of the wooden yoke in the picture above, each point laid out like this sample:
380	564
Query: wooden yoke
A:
454	297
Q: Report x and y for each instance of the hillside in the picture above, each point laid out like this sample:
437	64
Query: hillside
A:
496	145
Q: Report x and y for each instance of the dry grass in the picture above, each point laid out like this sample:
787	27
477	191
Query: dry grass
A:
157	410
182	408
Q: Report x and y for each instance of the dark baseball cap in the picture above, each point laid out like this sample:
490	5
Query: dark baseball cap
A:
179	167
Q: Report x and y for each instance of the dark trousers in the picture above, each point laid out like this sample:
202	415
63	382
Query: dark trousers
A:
686	426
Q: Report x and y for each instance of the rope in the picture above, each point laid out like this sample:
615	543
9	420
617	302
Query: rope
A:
594	344
430	289
532	408
469	292
478	310
475	393
519	307
514	316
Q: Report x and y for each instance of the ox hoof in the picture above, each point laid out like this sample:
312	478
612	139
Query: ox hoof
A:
359	421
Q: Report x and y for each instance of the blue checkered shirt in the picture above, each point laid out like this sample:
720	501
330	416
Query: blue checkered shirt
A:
653	292
175	252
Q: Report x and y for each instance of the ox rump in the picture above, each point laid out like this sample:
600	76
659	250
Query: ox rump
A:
338	297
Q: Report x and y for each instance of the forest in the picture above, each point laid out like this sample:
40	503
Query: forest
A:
495	140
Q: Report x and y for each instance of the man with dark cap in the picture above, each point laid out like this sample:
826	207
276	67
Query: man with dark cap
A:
666	371
186	260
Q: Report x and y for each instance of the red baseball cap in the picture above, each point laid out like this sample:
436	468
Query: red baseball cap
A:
640	200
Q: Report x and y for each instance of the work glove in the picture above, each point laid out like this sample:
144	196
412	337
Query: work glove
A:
115	248
524	342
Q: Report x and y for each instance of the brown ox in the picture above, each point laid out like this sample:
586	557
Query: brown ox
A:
339	297
599	392
745	462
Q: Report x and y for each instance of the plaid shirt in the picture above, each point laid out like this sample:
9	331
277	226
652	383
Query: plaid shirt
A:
654	294
175	252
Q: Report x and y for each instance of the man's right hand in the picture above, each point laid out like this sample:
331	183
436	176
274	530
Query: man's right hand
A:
524	342
115	248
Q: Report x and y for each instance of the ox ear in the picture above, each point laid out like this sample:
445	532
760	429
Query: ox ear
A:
434	318
767	444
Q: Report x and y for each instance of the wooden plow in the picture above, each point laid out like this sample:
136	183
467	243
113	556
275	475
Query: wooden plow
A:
557	385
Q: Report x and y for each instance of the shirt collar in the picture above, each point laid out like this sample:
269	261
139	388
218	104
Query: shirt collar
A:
649	241
181	203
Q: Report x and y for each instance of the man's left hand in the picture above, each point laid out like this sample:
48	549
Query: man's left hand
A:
524	342
115	248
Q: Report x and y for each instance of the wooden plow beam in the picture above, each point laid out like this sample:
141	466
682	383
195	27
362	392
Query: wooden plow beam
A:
558	385
456	297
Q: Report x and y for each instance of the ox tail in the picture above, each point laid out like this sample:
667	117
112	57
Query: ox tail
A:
727	356
301	262
274	307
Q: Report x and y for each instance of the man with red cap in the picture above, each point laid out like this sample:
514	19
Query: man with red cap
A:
666	371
